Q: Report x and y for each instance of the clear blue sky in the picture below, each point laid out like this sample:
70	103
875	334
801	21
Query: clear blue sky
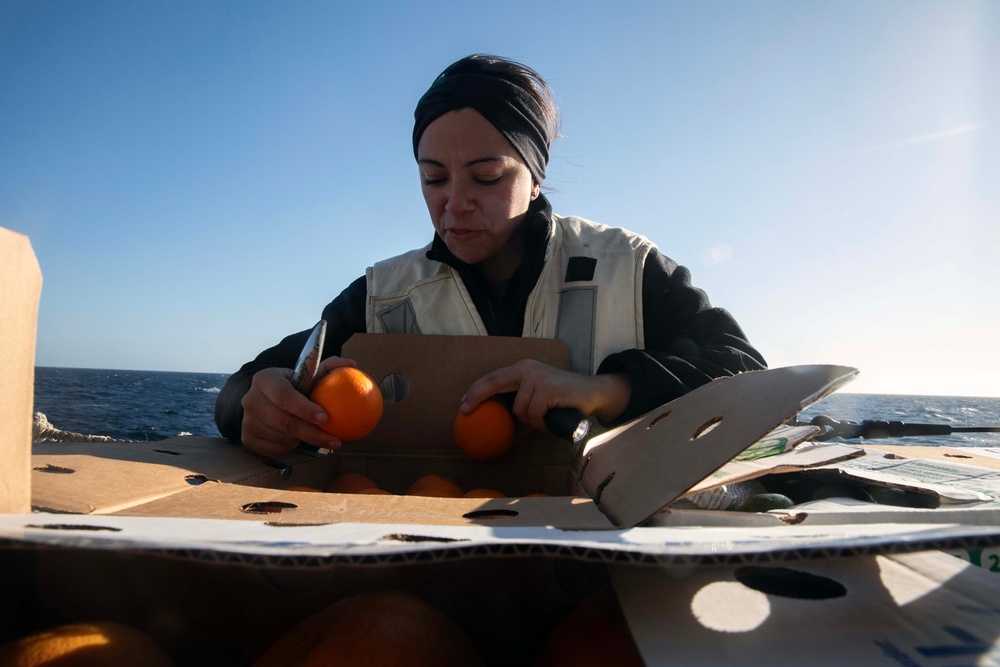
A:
198	179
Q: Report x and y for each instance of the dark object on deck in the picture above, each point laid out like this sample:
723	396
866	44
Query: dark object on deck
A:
873	428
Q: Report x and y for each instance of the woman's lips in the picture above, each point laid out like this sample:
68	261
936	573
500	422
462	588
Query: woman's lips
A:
462	234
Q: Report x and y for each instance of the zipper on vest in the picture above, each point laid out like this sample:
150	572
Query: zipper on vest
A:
493	315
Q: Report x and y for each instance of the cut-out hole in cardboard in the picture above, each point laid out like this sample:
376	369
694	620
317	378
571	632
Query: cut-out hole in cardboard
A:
789	583
292	524
195	480
51	510
603	485
658	419
404	537
267	507
707	428
490	514
71	526
58	470
167	451
394	388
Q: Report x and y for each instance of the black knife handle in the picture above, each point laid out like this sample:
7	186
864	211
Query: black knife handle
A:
567	423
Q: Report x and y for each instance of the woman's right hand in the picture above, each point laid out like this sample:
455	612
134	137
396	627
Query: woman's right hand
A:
277	416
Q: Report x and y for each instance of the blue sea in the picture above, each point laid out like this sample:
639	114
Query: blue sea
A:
152	405
128	405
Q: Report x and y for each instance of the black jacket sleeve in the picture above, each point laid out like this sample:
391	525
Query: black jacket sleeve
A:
687	341
344	316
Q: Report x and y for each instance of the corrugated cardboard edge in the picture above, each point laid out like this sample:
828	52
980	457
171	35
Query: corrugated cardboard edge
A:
310	546
21	286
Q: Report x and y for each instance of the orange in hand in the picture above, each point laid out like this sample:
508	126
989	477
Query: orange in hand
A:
353	401
486	432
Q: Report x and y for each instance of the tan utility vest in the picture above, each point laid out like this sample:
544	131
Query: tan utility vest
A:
589	294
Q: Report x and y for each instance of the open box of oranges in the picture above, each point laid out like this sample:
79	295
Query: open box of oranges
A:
422	446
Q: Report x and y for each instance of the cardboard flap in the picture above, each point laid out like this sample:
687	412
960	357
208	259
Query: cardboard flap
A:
97	478
433	373
20	288
633	471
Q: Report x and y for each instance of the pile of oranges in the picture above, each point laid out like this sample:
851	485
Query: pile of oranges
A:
354	405
387	627
430	486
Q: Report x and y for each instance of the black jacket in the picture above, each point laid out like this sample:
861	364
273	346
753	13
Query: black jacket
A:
688	342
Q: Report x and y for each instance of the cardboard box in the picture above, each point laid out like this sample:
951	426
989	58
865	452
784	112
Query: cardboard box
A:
21	282
629	473
163	534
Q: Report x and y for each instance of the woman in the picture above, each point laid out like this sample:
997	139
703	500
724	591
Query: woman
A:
501	263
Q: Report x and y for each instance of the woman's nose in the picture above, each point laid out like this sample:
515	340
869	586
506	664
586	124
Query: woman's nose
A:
458	200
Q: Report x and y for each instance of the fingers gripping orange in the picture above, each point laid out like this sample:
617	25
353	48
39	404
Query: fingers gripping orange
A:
351	399
486	432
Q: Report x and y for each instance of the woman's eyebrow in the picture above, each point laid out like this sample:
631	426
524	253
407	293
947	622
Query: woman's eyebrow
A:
481	160
478	160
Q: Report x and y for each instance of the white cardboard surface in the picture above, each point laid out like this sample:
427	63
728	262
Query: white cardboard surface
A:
952	482
222	540
928	610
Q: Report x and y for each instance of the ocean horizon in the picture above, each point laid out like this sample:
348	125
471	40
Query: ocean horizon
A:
153	405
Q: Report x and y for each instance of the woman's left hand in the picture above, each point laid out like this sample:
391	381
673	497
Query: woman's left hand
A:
541	387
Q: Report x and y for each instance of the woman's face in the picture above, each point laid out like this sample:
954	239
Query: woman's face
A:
477	188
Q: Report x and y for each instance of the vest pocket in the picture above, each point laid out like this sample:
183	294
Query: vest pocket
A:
400	318
576	326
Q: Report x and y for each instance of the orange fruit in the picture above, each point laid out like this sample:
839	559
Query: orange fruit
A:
96	644
351	482
593	633
377	628
351	399
435	486
483	493
486	432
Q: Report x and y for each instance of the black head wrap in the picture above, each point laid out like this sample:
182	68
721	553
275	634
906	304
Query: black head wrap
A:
508	107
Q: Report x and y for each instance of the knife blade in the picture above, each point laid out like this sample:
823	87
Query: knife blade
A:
304	373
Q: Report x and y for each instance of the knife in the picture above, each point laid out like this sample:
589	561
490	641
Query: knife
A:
566	423
305	371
